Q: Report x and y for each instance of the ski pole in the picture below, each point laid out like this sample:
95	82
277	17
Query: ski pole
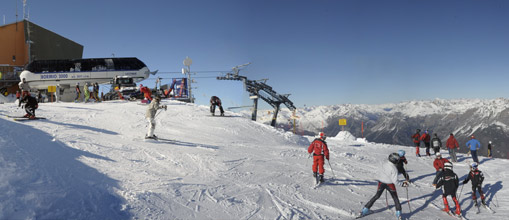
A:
462	185
386	200
407	199
331	170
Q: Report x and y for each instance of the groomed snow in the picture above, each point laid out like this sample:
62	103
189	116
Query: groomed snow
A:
90	161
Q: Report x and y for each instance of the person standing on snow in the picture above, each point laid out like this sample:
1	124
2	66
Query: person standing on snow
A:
474	145
426	138
436	143
400	165
451	145
150	115
147	93
438	163
489	150
78	92
477	178
320	150
416	138
25	88
450	182
387	179
30	106
214	100
86	93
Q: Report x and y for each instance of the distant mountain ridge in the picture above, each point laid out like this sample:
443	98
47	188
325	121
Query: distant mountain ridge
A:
488	120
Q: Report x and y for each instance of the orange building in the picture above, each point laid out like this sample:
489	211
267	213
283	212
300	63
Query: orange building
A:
24	41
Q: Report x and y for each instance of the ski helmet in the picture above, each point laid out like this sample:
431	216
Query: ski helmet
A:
323	136
474	166
489	142
448	166
394	158
473	137
401	153
438	154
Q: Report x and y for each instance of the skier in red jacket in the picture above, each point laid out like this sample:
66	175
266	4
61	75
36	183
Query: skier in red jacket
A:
320	150
438	163
416	138
426	139
147	92
452	145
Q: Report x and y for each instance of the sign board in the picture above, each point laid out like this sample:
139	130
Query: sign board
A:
52	88
181	88
342	122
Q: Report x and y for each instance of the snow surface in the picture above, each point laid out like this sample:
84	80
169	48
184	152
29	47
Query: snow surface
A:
90	161
344	136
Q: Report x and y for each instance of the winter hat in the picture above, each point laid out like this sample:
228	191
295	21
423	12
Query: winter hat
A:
323	136
438	154
401	153
473	137
448	166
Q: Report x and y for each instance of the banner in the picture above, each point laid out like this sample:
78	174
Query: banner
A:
180	88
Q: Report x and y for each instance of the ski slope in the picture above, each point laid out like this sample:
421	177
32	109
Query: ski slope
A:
90	161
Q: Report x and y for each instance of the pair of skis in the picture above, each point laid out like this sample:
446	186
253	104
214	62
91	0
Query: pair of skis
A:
21	118
485	206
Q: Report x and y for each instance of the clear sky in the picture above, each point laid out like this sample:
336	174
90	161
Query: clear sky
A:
321	52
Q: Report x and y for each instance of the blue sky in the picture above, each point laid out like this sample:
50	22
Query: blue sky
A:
321	52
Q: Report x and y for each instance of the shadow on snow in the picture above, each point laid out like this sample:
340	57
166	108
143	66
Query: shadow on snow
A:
43	179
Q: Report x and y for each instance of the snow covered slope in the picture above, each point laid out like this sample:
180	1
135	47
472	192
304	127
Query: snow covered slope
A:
90	161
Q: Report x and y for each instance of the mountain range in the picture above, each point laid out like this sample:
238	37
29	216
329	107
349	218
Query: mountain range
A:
487	120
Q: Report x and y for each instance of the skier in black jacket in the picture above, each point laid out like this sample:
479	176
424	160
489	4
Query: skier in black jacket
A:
436	143
477	177
30	106
401	167
449	180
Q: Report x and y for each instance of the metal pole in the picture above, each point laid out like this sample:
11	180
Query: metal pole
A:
461	191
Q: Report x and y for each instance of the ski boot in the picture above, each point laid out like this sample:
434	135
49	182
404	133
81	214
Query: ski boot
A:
321	178
26	115
315	174
32	117
365	211
483	202
222	114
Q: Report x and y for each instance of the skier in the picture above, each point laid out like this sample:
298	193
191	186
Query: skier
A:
150	115
86	92
30	106
25	89
474	145
477	177
214	100
387	179
489	150
450	182
78	92
451	145
95	92
436	143
320	150
147	93
400	166
416	138
426	138
439	163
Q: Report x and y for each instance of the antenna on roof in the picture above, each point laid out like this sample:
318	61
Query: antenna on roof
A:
24	6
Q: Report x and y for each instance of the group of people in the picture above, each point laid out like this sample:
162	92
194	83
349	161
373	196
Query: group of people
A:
445	177
87	94
452	145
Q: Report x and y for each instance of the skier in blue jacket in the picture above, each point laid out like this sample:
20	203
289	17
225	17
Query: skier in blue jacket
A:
474	145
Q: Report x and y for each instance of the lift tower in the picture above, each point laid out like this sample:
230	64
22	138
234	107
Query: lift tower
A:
258	89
